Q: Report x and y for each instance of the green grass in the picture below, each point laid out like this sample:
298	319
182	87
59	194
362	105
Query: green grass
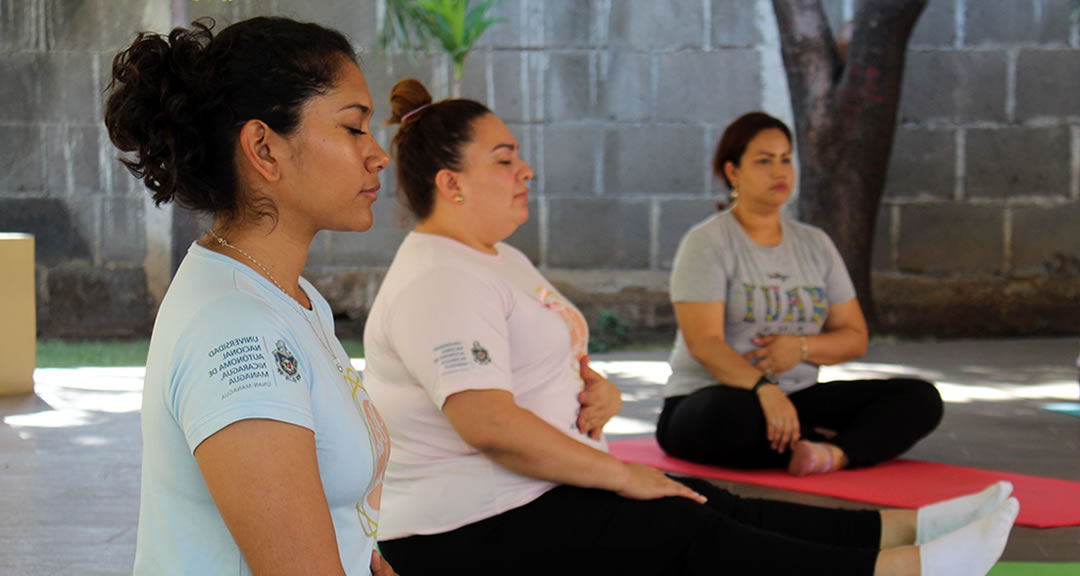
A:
76	353
1035	569
108	353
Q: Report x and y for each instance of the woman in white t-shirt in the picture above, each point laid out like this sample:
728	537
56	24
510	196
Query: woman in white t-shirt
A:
761	302
498	463
262	452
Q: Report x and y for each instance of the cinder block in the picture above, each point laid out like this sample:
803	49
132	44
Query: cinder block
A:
1018	161
21	167
107	25
951	239
123	230
474	77
16	26
625	86
955	85
1046	240
566	87
643	160
598	233
881	255
511	100
569	23
676	217
520	26
97	302
1017	22
572	154
647	24
72	157
356	20
708	87
734	23
923	163
936	25
1047	83
66	84
59	227
21	86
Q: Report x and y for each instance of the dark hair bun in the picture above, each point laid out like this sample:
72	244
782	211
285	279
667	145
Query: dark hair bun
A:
407	96
162	88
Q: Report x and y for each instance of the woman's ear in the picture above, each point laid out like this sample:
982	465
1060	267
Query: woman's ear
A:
732	174
260	147
446	184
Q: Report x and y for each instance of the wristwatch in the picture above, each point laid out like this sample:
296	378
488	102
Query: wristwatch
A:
766	378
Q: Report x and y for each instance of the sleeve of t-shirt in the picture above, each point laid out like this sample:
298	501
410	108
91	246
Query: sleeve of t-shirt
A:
449	330
838	285
698	274
238	360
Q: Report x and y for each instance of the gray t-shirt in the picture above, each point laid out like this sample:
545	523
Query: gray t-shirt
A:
782	289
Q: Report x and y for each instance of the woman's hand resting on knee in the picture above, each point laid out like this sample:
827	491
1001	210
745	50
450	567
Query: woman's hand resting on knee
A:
639	482
781	418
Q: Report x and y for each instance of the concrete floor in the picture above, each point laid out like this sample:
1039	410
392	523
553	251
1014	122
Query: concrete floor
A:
70	452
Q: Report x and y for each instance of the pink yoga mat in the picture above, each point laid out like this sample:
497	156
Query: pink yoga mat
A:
1044	502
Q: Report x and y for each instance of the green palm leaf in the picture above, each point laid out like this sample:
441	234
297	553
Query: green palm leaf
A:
451	23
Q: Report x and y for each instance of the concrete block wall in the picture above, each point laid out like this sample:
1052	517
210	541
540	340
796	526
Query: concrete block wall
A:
984	181
59	177
617	106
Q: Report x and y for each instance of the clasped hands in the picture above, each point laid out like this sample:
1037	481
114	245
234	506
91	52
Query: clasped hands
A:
600	400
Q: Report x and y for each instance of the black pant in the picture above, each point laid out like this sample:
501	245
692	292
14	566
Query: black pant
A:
581	531
874	420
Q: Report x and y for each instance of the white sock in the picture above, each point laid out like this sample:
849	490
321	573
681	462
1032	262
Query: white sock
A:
973	549
938	519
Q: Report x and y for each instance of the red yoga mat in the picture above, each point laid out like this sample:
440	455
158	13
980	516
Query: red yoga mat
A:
900	483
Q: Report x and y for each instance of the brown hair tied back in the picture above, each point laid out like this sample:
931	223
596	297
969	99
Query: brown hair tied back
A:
176	103
431	138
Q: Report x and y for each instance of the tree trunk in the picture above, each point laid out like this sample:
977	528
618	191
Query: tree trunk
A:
845	119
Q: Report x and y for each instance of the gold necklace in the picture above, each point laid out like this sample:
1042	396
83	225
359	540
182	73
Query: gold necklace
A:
321	340
226	244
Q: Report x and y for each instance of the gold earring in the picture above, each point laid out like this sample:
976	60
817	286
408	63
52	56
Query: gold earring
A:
459	199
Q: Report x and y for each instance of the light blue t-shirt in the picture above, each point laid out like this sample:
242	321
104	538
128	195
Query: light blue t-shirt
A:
782	289
227	346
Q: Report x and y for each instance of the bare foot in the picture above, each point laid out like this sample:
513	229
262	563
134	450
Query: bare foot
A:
814	458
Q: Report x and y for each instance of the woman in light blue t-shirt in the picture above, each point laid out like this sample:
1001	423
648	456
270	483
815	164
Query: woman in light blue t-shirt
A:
262	452
761	302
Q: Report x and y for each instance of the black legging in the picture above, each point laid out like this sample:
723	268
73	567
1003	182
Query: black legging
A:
874	420
572	531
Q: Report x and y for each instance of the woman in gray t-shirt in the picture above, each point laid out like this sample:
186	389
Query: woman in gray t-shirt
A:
761	302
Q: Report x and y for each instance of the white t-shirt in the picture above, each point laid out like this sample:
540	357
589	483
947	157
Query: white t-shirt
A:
782	289
449	318
228	346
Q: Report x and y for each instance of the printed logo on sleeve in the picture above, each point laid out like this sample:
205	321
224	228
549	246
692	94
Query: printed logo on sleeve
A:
242	364
451	358
286	362
480	354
